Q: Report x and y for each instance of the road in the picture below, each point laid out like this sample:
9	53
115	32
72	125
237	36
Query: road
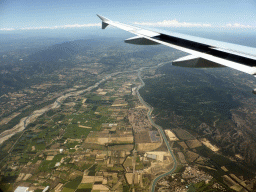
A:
33	116
159	128
25	121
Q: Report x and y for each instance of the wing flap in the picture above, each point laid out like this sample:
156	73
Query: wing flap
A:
234	65
209	50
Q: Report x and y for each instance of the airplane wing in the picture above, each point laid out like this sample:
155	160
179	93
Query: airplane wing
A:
203	52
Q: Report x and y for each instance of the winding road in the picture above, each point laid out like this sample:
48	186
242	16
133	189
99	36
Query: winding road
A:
159	128
33	116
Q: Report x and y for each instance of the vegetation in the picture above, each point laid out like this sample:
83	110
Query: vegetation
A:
195	95
38	150
74	184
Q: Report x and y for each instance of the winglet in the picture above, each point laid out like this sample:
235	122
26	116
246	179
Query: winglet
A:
103	18
104	21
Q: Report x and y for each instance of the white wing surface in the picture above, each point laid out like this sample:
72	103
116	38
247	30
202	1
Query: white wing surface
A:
209	53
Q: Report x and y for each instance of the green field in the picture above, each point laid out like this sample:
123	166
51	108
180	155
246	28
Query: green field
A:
49	165
85	186
73	185
65	189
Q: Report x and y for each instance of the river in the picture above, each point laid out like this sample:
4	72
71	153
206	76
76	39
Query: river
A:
25	121
33	116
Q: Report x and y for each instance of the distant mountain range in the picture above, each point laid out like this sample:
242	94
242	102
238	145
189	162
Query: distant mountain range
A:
17	66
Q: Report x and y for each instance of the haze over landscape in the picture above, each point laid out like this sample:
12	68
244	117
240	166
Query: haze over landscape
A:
80	110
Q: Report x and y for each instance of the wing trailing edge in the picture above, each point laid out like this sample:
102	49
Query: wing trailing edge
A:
208	53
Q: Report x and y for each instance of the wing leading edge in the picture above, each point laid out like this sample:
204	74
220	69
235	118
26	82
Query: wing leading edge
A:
209	52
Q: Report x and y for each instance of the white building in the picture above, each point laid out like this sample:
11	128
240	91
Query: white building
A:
21	189
46	189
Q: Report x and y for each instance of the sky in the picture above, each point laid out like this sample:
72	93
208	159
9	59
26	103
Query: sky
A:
27	15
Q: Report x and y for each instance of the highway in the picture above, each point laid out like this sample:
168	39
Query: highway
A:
159	128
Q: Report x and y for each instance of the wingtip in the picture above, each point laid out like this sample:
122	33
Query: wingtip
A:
102	18
104	21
